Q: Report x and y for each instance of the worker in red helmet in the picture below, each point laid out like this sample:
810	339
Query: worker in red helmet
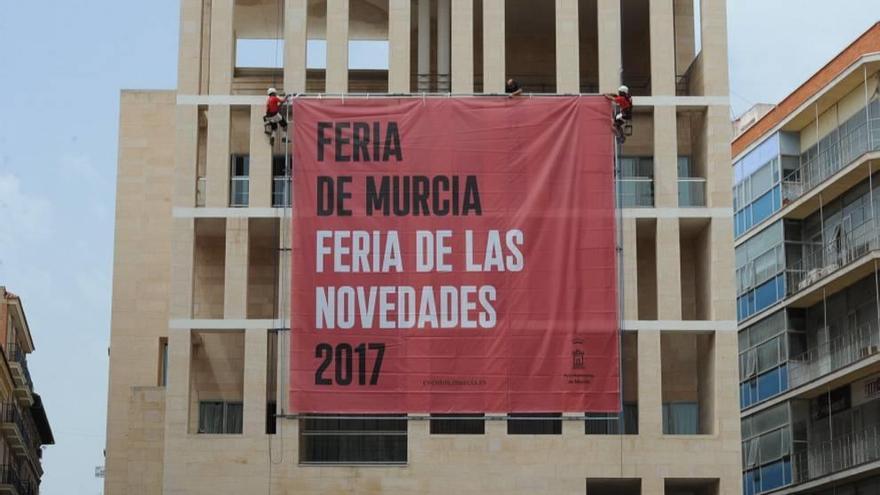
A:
274	118
623	114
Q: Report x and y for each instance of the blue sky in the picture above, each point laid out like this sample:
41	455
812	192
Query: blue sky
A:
62	64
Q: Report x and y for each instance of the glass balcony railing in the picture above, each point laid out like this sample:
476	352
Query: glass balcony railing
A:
239	191
821	262
635	192
691	192
281	192
200	191
833	355
844	452
835	156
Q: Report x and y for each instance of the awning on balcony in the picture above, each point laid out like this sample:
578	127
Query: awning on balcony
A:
42	421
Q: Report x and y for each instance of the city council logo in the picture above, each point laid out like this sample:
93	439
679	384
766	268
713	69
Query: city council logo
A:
577	354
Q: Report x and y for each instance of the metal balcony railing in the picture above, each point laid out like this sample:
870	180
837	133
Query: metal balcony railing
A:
11	415
844	452
831	159
19	357
691	192
820	262
635	192
833	355
9	478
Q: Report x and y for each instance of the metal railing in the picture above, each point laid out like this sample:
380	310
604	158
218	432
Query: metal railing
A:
691	192
833	355
834	157
635	192
823	261
16	355
9	476
844	452
281	191
10	413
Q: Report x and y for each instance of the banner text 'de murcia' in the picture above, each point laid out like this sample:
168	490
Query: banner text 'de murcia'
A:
453	256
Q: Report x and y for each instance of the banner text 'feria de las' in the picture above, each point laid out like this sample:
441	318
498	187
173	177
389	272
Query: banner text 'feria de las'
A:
453	255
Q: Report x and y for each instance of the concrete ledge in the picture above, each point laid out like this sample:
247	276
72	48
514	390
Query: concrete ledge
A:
680	325
224	324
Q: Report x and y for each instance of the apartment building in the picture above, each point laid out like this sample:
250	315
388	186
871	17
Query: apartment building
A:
200	321
807	283
24	427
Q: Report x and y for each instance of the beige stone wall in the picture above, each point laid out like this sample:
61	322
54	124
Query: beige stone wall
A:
141	269
146	435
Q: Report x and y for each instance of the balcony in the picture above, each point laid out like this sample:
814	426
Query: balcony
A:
834	157
635	192
281	192
842	453
200	191
844	250
24	386
835	354
691	192
11	484
20	432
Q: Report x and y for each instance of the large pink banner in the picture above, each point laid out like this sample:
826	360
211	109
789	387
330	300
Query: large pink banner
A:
453	255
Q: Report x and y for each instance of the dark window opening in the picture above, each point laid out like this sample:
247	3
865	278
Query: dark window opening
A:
458	424
353	440
534	424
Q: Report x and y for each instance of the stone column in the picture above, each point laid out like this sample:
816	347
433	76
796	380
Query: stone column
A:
217	173
337	46
630	290
222	47
567	47
650	384
189	52
665	157
662	27
462	46
260	184
254	415
610	63
398	46
295	43
494	76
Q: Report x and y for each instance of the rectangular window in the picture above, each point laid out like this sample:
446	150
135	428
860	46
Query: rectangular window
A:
534	424
681	418
238	180
351	439
163	361
216	417
458	424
